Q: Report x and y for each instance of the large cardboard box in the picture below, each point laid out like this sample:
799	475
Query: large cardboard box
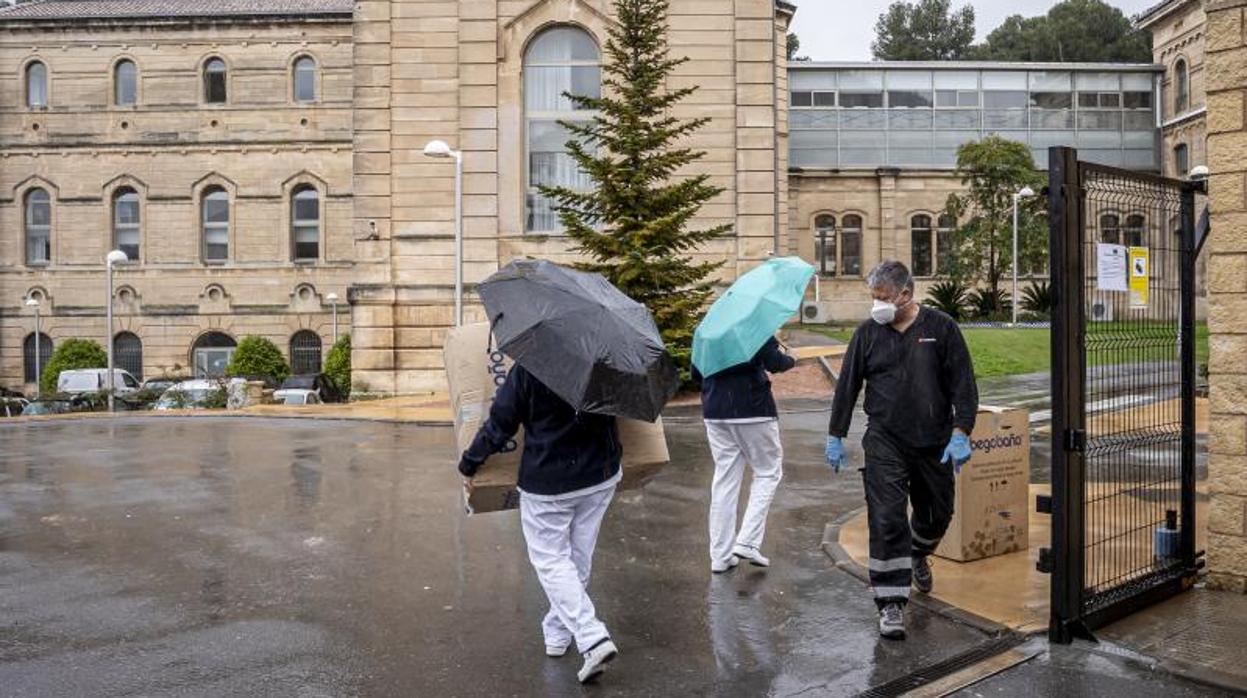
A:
992	509
475	371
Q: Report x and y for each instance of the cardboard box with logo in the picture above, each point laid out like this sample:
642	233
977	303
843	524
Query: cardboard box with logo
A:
991	513
475	370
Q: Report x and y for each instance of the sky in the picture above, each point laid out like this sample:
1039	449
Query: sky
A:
842	30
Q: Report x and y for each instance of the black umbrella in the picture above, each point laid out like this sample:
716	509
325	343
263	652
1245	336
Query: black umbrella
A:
585	340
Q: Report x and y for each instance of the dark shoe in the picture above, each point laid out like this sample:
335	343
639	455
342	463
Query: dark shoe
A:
892	622
923	579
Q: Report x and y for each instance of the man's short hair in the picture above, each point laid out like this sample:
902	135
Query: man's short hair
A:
890	275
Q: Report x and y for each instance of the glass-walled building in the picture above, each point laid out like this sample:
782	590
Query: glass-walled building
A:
915	115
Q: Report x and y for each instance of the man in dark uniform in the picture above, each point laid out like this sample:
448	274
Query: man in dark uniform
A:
921	400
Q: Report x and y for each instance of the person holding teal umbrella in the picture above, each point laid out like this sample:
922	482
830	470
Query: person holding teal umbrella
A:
734	350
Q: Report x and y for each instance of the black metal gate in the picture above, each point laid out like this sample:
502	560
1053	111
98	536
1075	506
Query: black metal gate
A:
1123	386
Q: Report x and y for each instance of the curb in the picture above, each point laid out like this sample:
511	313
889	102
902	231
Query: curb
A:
192	415
842	560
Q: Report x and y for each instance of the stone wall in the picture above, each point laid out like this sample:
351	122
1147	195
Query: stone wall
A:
168	147
1227	148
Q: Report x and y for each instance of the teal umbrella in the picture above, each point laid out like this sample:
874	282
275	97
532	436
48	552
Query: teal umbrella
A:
749	313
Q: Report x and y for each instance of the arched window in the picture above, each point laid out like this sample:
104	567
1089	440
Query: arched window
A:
305	348
305	224
1181	160
36	85
851	245
215	225
125	84
1136	230
825	244
128	350
560	60
1110	229
215	79
304	79
38	227
126	221
211	354
31	366
944	244
1181	87
923	250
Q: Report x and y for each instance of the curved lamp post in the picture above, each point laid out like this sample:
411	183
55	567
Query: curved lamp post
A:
33	304
1026	192
439	149
114	258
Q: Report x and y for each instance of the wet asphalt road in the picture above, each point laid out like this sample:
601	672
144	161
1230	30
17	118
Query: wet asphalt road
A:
217	556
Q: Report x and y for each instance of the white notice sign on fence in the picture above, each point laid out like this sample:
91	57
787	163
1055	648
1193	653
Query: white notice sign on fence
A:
1112	263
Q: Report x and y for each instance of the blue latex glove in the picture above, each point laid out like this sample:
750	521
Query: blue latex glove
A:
957	451
836	457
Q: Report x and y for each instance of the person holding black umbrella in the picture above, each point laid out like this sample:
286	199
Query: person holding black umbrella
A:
584	354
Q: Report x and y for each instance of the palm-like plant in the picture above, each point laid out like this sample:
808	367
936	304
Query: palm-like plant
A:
989	304
949	297
1037	298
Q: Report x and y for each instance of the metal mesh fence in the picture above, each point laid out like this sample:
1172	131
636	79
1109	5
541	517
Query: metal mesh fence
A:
1133	370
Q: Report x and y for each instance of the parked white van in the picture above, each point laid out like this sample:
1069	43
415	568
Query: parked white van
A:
95	380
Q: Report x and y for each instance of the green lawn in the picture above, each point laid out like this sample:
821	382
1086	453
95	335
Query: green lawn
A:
1006	352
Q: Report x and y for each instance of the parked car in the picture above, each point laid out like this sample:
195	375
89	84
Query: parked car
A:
12	406
159	385
95	380
53	406
319	382
296	396
191	395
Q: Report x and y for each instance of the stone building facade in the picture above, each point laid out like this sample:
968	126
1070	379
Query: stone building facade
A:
1178	29
486	76
1226	85
211	141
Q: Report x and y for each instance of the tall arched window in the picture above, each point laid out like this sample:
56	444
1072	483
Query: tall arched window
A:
944	244
36	85
31	367
923	251
305	224
38	227
1136	230
305	348
1110	229
1181	87
215	79
212	353
825	244
560	60
851	245
215	225
125	84
126	222
1181	159
304	79
128	349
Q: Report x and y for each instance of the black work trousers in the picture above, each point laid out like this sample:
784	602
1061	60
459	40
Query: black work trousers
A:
896	476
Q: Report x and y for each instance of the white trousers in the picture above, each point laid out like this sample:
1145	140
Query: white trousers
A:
733	445
561	535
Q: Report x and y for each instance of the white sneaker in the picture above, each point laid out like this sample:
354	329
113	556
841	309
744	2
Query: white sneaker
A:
556	650
754	557
892	621
721	567
596	660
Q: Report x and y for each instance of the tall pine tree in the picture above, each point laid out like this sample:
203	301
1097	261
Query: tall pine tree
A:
635	224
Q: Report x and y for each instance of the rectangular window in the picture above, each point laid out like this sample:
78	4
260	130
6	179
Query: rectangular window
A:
214	87
802	99
216	229
824	99
1181	160
859	100
851	243
1137	100
1011	99
544	86
128	227
921	241
943	250
1052	100
549	164
910	99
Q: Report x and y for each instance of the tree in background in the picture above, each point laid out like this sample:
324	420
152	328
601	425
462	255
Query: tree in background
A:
338	365
258	356
70	355
981	247
635	225
926	30
794	46
1073	31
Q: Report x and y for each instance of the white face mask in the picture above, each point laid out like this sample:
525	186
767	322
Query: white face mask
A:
883	312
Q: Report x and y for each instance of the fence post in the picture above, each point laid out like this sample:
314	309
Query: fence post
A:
1188	360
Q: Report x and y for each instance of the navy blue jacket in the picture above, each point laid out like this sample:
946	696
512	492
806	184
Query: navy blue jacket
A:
744	391
564	450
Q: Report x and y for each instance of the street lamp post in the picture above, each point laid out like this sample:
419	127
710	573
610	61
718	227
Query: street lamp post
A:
439	149
333	303
114	258
33	303
1017	197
